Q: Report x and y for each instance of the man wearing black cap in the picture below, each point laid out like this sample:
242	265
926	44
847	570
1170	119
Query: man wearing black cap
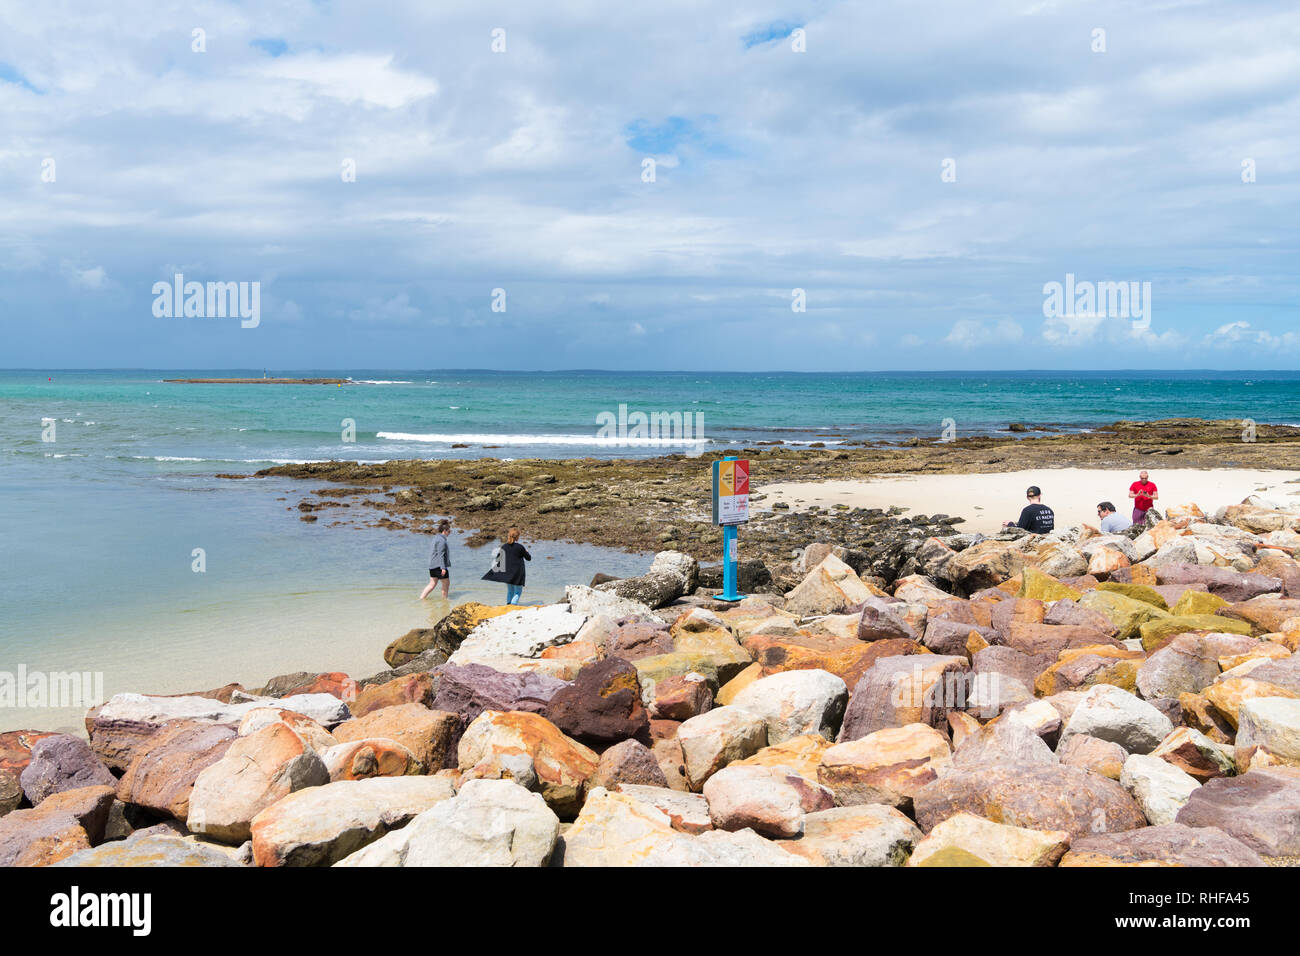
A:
1037	517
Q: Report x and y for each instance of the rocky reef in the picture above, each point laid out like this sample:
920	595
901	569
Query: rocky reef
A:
1070	699
653	504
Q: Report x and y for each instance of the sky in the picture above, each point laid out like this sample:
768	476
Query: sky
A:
836	185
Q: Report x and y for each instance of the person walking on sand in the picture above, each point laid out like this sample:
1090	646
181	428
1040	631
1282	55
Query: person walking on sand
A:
1036	517
1144	495
439	561
508	568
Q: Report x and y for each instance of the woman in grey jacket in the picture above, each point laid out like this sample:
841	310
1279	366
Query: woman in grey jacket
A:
439	561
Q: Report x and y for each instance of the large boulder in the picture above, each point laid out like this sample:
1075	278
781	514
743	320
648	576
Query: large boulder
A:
681	697
830	588
1172	844
794	703
846	657
319	826
711	741
879	620
1155	633
468	690
162	773
630	762
1267	612
128	720
1036	796
1109	713
370	757
429	734
671	575
488	823
1184	665
616	829
33	838
495	743
896	691
867	835
1160	788
1002	741
997	844
770	801
1228	694
687	812
1126	614
523	633
593	603
62	762
602	706
1232	586
1268	732
888	766
149	851
254	773
1196	755
408	689
1258	808
1089	753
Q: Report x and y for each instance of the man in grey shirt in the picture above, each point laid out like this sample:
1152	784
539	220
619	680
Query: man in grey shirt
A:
1110	521
439	561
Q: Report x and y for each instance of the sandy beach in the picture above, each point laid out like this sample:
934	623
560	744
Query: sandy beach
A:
1073	493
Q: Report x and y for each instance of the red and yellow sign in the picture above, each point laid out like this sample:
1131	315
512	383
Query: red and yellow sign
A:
731	491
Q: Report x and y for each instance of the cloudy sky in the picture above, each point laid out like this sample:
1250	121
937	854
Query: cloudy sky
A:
919	170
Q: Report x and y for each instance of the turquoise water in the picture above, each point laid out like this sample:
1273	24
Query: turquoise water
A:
99	525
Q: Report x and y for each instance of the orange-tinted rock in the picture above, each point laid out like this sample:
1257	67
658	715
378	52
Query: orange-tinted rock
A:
888	766
682	697
1200	714
372	757
562	765
334	683
16	749
1083	667
1227	695
411	689
429	734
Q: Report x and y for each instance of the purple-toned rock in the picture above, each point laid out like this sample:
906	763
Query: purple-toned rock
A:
1072	614
469	689
1036	796
1171	844
1012	663
1232	586
1283	673
162	774
63	762
950	637
602	705
1260	808
630	762
880	620
638	639
912	689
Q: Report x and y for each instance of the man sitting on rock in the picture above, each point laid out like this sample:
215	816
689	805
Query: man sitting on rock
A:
1036	517
1110	521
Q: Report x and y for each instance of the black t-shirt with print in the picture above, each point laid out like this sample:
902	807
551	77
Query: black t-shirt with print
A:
1039	519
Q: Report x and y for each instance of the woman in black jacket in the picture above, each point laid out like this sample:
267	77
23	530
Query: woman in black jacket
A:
509	568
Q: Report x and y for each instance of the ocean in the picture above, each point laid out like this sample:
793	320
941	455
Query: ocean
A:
109	504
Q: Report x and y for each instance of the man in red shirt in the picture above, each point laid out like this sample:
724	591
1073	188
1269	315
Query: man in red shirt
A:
1144	494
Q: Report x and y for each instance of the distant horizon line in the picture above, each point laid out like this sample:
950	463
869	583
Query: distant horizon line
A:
280	371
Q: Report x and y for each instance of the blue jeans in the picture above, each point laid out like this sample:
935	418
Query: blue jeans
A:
513	592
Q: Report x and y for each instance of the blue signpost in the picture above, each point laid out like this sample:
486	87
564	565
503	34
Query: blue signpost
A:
730	508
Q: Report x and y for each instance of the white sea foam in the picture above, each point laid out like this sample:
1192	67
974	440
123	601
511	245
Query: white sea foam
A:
434	438
379	381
